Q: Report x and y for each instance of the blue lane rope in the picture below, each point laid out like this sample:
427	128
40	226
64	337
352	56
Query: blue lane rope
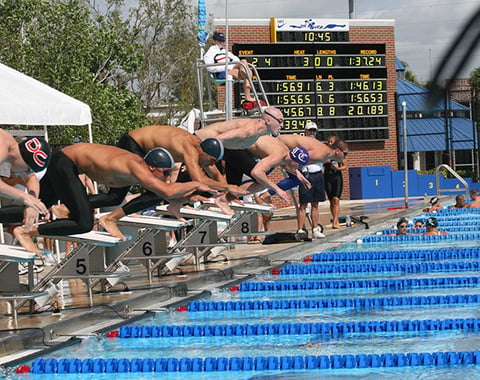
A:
451	219
420	238
426	267
453	211
387	284
261	363
447	222
466	222
323	329
333	303
421	254
450	229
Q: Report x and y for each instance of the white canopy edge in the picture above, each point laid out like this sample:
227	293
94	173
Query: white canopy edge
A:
27	101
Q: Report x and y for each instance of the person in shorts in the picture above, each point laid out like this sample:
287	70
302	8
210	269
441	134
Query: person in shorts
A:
313	194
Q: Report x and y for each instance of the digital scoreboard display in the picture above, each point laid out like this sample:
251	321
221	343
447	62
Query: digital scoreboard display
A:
342	86
311	36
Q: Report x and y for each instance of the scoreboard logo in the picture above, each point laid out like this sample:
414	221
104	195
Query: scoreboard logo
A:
298	24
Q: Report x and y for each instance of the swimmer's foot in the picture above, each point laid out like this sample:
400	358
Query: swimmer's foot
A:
25	240
61	211
110	225
255	240
174	209
222	203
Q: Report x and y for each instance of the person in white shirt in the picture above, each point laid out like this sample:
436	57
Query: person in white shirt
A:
217	54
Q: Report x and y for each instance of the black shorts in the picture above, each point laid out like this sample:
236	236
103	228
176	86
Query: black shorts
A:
334	185
237	163
61	183
316	193
127	143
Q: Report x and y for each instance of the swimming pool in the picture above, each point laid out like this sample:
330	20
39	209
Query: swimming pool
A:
405	310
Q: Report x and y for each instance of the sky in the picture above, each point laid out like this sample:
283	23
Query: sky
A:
424	29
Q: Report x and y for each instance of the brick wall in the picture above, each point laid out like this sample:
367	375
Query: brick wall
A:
372	153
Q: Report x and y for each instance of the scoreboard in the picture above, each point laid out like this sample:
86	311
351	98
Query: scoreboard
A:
320	76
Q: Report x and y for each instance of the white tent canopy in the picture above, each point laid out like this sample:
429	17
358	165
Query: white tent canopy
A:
26	101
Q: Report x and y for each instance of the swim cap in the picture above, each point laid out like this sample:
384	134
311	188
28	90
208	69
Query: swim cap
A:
432	222
300	155
213	147
159	158
35	152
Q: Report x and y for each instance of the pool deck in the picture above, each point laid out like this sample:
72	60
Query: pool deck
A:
38	331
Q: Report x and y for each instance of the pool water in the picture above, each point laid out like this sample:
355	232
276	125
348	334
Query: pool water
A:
278	328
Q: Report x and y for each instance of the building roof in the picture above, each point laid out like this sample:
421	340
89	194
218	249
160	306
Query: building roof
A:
424	135
415	95
428	133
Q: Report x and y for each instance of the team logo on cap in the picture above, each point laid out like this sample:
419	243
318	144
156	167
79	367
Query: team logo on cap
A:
34	146
300	155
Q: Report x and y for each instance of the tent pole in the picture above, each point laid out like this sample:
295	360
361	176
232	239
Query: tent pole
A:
90	135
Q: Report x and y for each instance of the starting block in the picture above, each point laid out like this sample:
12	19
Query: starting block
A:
86	262
204	234
150	247
11	290
246	221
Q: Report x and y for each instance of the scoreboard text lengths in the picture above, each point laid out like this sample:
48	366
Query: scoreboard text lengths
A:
329	83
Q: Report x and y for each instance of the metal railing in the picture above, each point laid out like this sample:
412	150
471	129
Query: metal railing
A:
455	174
258	91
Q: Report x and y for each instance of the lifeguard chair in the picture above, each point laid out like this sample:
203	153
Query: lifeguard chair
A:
228	104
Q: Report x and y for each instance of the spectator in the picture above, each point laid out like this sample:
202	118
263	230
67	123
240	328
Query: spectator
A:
264	219
334	182
435	205
419	224
459	202
432	227
217	54
475	203
402	226
313	194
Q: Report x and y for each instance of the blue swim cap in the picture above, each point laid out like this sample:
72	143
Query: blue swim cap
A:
36	153
159	158
300	155
213	147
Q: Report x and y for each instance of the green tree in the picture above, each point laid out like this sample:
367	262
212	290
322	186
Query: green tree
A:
80	51
475	84
409	74
475	79
166	32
